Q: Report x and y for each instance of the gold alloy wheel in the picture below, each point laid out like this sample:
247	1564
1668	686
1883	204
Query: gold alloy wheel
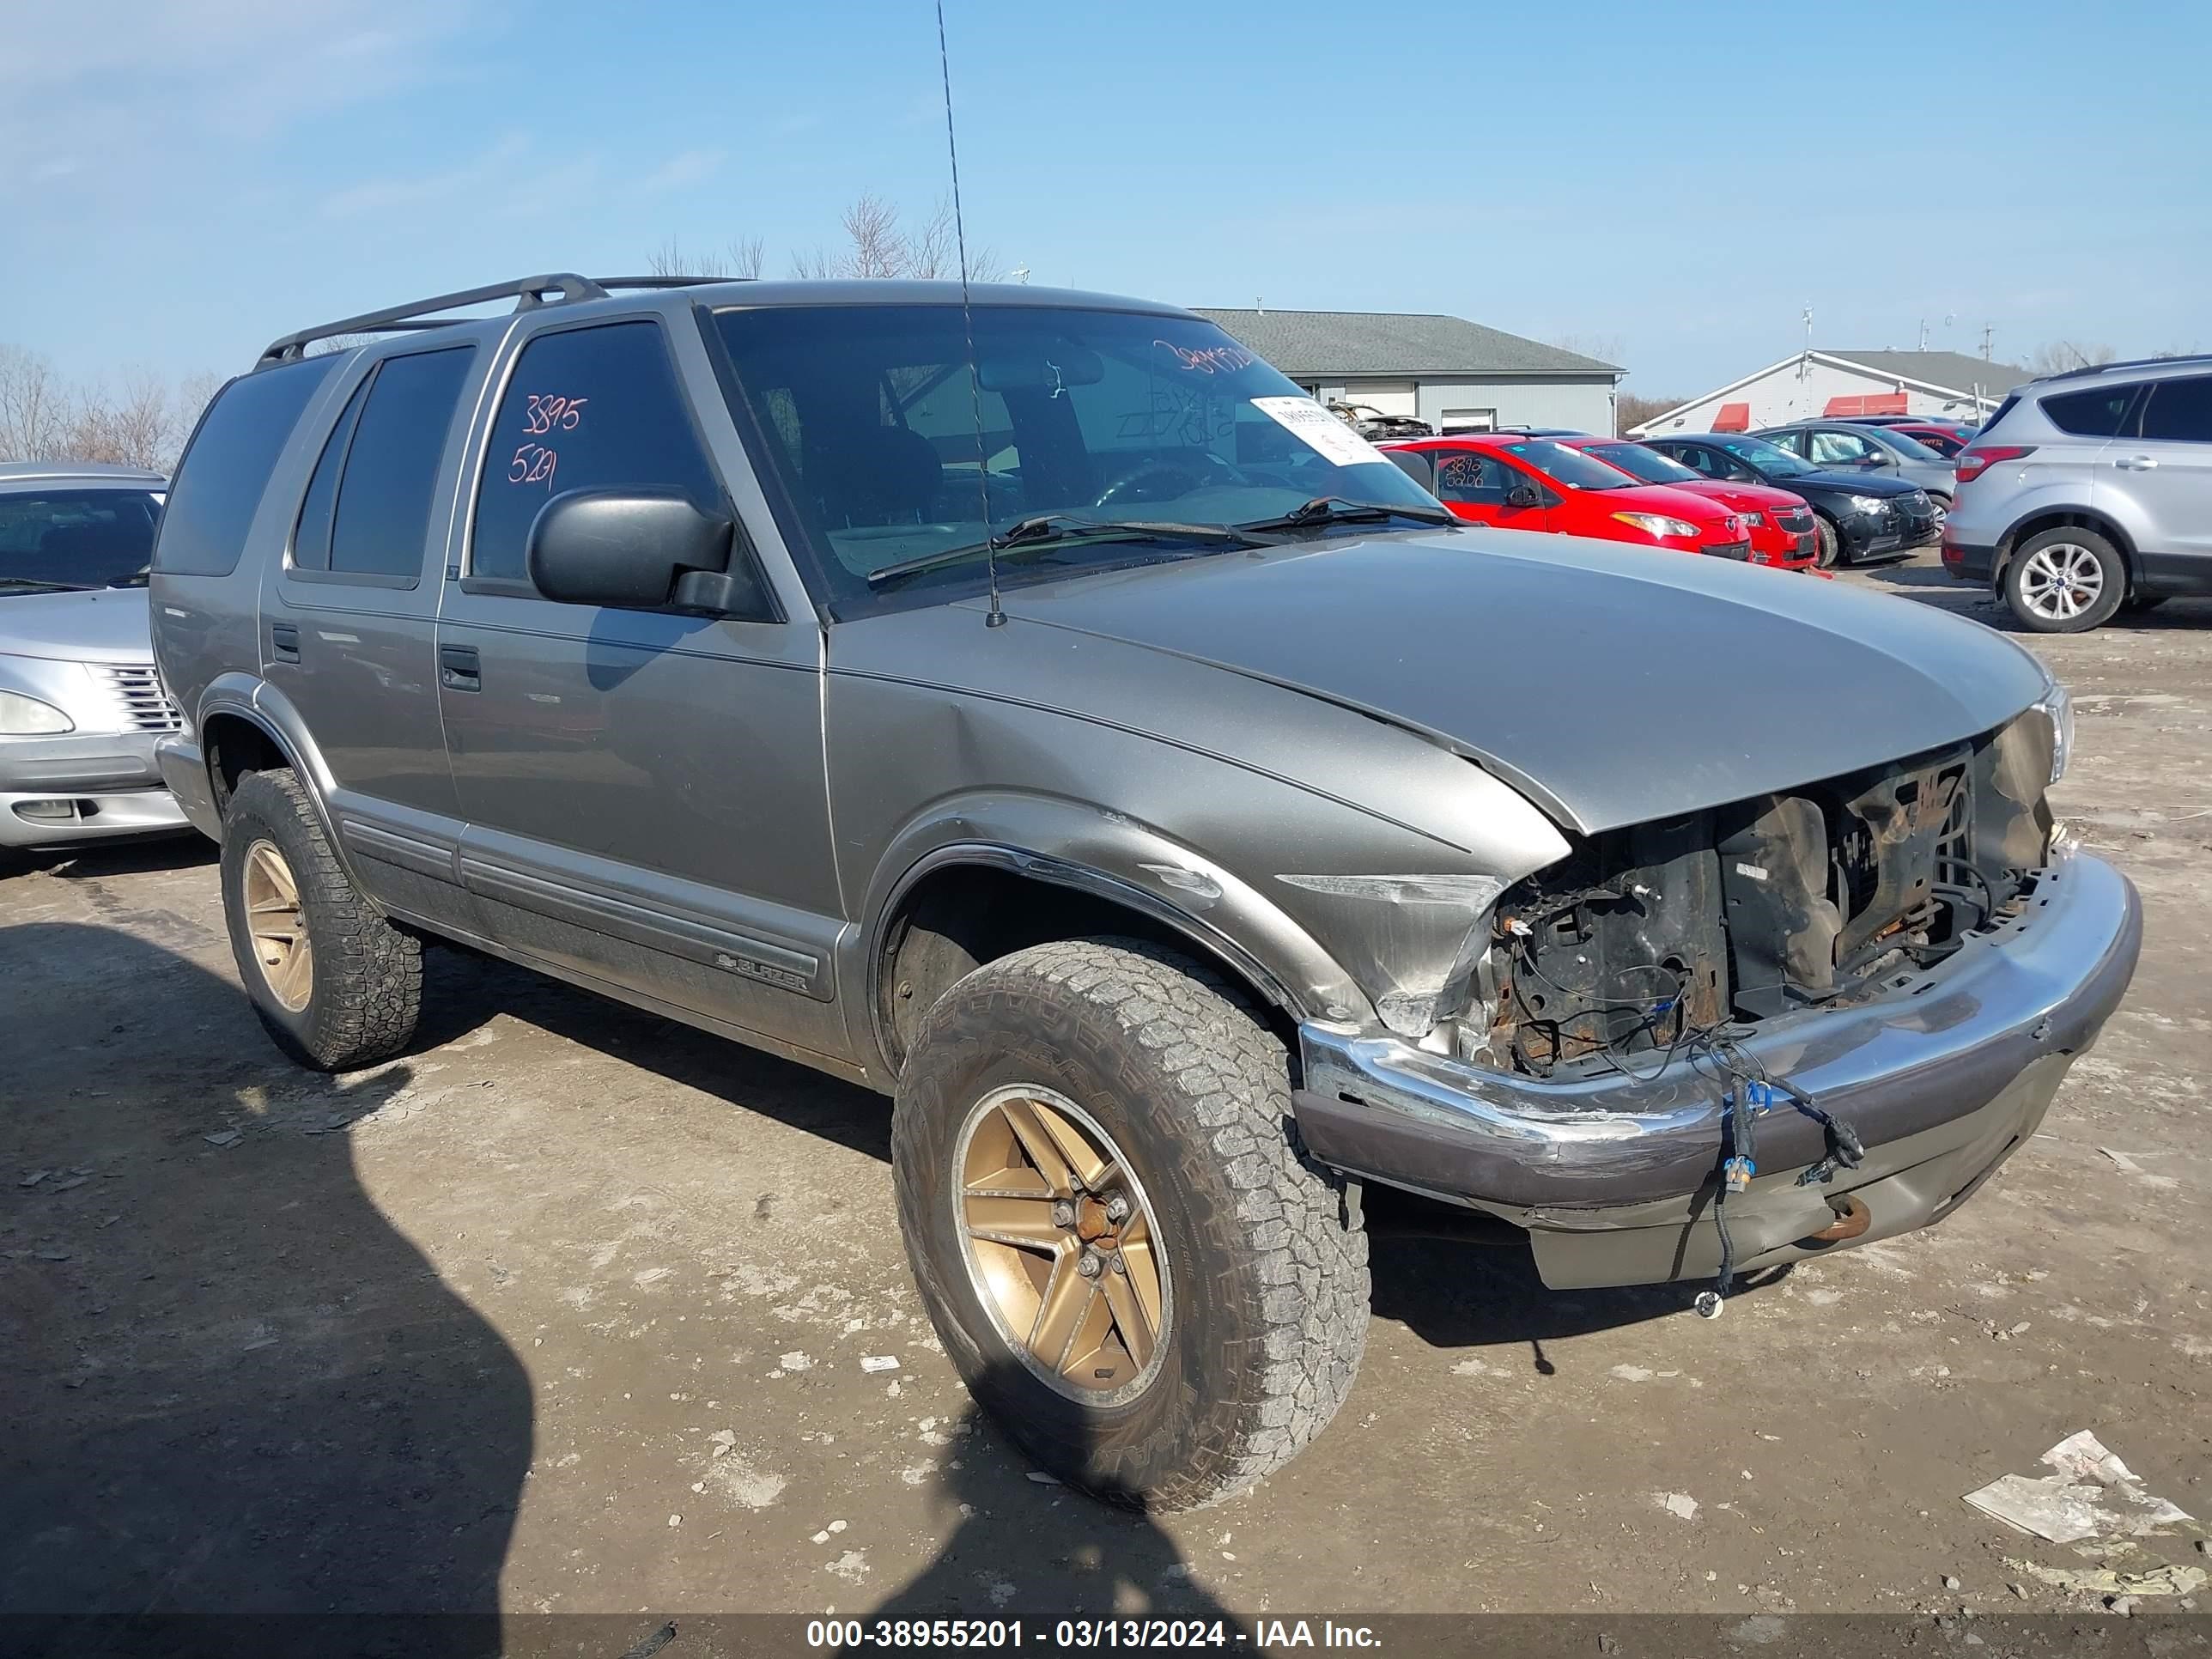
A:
1061	1244
278	926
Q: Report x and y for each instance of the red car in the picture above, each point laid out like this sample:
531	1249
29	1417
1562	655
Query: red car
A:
1782	530
1519	483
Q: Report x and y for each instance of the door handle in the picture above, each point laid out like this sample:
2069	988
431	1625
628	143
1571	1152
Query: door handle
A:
2136	463
459	669
285	642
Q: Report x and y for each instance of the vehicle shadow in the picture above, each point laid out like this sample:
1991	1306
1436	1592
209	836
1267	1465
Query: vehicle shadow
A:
463	988
233	1387
1471	1287
1042	1552
120	858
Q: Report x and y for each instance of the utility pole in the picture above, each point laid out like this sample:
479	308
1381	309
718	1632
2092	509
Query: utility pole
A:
1924	334
1988	330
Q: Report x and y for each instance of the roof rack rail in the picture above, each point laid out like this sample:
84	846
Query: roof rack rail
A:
527	293
2131	363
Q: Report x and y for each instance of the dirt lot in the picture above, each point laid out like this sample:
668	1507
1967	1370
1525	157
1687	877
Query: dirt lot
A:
567	1311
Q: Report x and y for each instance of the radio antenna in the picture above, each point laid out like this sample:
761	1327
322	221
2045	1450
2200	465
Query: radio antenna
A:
996	618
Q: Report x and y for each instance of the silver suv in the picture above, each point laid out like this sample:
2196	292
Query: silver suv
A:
1031	706
2090	492
80	707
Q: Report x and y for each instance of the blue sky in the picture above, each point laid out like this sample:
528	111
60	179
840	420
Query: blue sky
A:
180	180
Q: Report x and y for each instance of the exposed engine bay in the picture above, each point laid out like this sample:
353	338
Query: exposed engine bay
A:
1646	937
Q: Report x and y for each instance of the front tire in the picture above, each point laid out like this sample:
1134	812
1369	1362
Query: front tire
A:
336	985
1827	543
1123	1250
2066	580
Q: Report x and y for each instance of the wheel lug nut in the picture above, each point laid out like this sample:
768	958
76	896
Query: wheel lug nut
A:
1088	1265
1063	1213
1117	1208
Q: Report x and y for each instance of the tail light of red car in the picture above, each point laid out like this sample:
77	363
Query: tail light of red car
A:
1972	463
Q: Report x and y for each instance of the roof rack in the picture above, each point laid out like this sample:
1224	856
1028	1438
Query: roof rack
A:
2131	363
527	292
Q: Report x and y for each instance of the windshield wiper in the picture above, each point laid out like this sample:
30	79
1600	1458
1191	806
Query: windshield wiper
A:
1337	509
1050	530
33	585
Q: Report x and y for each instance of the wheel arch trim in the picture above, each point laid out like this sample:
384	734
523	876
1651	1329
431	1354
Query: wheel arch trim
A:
1109	856
242	697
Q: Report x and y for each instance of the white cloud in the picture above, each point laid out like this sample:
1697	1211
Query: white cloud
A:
689	166
110	96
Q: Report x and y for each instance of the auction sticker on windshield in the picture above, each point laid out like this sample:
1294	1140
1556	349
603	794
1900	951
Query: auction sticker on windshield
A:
1321	432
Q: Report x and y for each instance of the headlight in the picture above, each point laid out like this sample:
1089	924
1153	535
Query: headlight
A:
1657	524
2059	708
27	717
1868	503
1752	517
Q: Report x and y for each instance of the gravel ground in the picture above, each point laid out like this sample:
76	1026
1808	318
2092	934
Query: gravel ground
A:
567	1311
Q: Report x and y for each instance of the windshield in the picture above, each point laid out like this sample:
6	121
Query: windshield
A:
1909	449
1569	466
888	450
1648	464
1770	458
64	539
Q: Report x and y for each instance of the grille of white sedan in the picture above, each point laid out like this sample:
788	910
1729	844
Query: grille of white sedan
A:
137	688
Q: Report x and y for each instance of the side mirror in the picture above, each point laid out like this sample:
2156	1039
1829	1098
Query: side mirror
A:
638	550
1523	494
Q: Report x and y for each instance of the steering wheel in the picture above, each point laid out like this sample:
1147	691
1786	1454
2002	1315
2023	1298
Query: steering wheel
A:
1154	481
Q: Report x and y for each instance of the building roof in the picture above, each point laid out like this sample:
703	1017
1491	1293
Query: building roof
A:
1410	345
1955	371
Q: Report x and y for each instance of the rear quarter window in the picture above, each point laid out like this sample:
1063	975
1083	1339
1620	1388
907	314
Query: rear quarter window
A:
2095	412
226	467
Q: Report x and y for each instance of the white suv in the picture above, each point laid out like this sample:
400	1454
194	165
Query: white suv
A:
2089	492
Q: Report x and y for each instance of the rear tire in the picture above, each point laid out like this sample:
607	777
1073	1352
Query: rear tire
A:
336	985
1262	1287
2066	580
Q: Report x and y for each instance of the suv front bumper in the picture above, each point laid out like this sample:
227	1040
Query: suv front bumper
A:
1942	1075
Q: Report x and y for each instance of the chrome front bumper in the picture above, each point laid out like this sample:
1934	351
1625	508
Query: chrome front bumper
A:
83	787
1924	1069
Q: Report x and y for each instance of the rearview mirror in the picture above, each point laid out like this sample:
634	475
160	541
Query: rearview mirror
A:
1523	495
1047	371
638	550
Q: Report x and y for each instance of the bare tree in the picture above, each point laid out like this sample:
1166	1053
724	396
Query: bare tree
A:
1630	410
45	418
878	243
35	407
741	257
815	266
2057	356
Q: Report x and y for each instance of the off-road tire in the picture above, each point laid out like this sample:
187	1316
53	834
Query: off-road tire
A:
2113	578
1269	1266
367	990
1827	543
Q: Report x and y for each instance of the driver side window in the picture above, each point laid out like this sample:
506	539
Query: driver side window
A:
1470	478
1847	448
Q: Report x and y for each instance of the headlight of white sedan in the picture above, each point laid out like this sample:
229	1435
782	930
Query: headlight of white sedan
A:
27	717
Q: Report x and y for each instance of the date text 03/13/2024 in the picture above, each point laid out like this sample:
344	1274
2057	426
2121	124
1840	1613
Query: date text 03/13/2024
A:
1086	1633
